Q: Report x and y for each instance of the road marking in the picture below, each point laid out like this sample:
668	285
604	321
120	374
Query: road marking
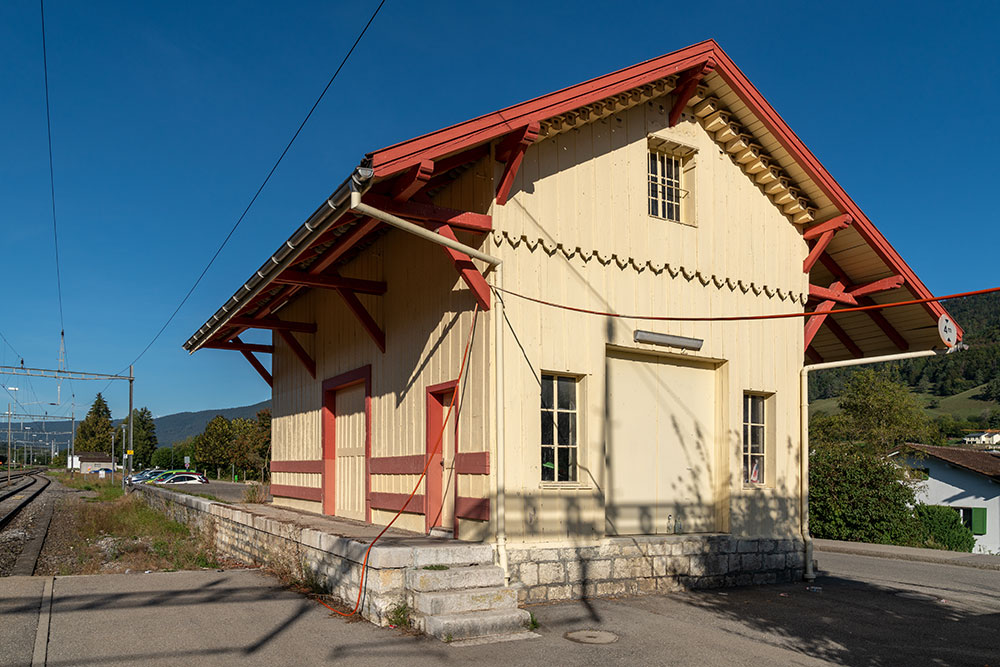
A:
40	655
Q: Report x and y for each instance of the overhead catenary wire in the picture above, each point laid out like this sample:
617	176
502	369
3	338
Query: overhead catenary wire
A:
743	318
267	178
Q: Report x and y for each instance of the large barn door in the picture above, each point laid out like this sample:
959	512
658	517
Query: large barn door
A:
660	446
441	483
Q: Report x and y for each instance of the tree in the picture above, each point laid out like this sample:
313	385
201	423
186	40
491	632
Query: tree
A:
879	414
94	432
143	438
213	446
859	496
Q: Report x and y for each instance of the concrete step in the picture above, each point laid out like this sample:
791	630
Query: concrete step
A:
453	578
468	625
434	603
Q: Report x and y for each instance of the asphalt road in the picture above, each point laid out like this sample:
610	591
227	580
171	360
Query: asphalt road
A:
870	611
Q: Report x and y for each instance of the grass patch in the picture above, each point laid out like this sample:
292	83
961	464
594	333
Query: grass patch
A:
179	488
399	615
532	623
256	493
104	488
436	567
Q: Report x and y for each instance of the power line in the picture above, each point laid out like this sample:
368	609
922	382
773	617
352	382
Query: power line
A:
262	185
52	177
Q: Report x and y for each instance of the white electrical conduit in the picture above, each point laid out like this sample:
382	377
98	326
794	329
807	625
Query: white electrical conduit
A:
417	230
810	573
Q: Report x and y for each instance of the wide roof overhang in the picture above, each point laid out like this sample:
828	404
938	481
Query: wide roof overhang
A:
853	263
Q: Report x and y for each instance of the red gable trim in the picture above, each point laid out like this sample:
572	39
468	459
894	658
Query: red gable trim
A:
398	157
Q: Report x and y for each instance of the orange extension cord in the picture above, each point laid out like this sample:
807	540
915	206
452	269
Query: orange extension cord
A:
430	457
740	318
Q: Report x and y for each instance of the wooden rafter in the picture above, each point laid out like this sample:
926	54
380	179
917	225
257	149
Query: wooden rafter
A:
412	180
330	281
511	151
827	294
422	212
273	323
814	356
239	346
687	84
842	336
298	350
877	317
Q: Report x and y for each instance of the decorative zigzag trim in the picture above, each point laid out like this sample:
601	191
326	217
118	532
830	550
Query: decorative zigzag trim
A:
639	265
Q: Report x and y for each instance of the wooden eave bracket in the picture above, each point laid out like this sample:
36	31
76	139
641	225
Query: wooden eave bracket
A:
687	84
364	317
877	317
298	350
273	323
255	362
823	234
423	212
412	180
467	270
511	151
330	281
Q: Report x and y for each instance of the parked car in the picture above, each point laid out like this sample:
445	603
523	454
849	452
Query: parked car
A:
185	478
140	477
106	471
160	476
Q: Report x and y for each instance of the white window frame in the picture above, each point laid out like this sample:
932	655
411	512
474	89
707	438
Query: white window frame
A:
670	181
748	456
552	415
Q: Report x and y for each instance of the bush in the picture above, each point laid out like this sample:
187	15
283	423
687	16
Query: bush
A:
859	497
943	529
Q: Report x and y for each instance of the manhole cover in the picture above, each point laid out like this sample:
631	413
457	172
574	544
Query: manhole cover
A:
591	637
911	595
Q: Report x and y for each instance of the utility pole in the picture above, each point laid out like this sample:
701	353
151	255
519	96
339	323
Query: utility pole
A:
131	383
72	446
8	444
113	456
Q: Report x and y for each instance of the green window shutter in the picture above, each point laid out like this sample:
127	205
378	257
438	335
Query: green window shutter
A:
978	520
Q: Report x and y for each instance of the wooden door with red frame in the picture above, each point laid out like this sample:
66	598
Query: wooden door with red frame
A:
442	443
347	445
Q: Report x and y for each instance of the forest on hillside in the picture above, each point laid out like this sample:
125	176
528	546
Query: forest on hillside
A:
974	372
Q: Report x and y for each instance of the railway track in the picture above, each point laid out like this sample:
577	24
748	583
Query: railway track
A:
14	500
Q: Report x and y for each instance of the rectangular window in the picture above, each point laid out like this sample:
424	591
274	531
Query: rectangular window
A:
665	191
754	432
559	428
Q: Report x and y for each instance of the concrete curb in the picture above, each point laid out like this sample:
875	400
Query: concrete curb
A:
978	561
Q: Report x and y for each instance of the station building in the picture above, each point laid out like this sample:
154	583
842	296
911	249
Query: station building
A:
582	427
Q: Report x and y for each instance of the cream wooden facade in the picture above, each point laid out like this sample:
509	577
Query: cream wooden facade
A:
576	231
660	429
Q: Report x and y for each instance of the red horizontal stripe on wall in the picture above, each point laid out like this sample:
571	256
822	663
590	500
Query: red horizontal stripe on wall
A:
394	501
297	466
472	463
397	465
472	508
300	492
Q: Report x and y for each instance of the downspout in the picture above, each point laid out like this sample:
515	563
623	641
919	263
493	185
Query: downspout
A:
417	230
500	443
810	571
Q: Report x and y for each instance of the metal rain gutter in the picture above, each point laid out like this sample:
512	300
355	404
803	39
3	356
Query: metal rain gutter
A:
336	205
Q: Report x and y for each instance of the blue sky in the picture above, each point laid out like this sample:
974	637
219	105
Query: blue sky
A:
167	116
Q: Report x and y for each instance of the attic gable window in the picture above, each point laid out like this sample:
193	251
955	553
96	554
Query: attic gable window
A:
670	181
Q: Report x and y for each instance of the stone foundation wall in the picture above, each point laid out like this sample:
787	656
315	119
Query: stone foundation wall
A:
650	564
309	556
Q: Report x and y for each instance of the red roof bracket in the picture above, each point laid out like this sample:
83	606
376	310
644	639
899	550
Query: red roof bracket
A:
818	249
832	225
299	351
511	150
686	85
877	317
883	285
473	222
470	274
828	294
411	182
821	312
367	321
255	362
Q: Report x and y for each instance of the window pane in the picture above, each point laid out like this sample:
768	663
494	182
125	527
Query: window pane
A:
567	428
746	469
548	464
548	384
746	410
746	438
548	426
756	470
567	393
757	412
652	164
567	464
757	439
